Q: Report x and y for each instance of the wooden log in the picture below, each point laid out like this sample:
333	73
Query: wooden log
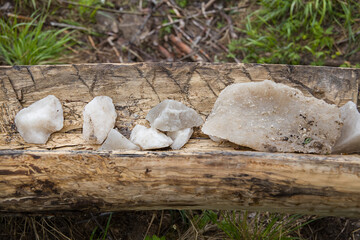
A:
67	174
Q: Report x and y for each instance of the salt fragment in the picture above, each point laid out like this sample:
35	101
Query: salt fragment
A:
349	140
180	137
116	141
267	116
149	138
99	118
38	121
171	115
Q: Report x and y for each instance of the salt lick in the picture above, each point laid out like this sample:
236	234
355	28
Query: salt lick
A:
272	117
171	115
349	140
116	141
149	138
38	121
99	118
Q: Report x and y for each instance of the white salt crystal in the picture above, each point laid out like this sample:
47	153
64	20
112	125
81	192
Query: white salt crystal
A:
99	119
149	138
349	140
267	116
180	137
38	121
171	115
116	141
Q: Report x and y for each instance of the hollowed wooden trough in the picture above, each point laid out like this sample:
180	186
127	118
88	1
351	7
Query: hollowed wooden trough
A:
67	175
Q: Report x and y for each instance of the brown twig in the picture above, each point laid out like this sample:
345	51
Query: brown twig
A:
92	42
185	48
18	16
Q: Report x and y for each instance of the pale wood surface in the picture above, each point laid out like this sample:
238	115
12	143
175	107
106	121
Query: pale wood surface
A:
68	174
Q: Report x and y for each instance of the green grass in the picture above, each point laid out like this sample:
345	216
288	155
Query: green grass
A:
242	225
284	31
28	43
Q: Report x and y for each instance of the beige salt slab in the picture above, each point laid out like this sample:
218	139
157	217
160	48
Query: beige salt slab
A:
99	118
38	121
171	115
267	116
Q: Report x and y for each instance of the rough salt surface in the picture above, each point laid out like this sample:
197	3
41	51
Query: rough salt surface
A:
38	121
267	116
349	140
180	137
99	118
116	141
149	138
171	115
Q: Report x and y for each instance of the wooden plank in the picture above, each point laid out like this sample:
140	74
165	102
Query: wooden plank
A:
68	174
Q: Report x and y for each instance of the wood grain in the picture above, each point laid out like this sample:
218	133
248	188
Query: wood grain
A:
67	174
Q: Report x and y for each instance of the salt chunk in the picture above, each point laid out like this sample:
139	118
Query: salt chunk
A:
349	140
180	137
149	138
171	115
267	116
38	121
99	119
116	141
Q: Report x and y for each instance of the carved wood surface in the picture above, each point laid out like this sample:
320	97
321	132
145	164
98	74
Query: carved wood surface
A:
68	174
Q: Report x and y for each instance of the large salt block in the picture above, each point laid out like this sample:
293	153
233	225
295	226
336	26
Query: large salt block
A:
149	138
171	115
38	121
116	141
180	137
349	140
99	118
267	116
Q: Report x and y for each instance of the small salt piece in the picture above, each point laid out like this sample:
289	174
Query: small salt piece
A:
149	138
38	121
171	115
116	141
180	137
215	139
349	141
272	117
99	119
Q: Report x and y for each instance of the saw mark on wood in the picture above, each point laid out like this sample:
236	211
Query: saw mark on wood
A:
172	78
82	80
207	83
290	78
247	74
31	75
269	73
229	79
19	99
141	75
